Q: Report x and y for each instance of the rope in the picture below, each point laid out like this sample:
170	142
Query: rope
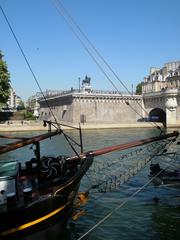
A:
131	196
80	35
57	126
121	205
113	179
27	61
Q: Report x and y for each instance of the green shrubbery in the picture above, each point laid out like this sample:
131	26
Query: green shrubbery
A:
28	115
4	81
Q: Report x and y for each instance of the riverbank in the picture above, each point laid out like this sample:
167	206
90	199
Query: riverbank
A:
16	126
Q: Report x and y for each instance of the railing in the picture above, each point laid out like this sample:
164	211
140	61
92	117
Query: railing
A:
77	91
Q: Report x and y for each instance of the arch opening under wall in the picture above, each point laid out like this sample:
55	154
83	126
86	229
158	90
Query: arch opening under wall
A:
158	115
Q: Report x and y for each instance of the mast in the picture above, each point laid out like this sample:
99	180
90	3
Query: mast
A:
128	145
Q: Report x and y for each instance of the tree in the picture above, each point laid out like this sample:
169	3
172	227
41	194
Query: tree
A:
20	106
4	81
139	88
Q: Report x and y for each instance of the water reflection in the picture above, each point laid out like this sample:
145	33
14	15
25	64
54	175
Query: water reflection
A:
166	222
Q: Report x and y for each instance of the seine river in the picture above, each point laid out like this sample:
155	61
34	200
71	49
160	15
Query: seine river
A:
140	218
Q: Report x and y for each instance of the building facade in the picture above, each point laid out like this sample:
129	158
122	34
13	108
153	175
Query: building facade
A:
158	80
161	93
11	103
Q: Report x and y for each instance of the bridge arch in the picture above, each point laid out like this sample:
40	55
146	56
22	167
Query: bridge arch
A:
158	115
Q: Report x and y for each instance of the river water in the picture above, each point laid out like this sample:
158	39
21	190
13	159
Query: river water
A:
140	218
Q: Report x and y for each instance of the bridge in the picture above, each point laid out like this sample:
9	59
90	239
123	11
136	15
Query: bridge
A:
163	106
161	94
111	107
159	102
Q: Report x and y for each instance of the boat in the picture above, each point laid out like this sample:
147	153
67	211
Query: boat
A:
163	176
44	189
42	192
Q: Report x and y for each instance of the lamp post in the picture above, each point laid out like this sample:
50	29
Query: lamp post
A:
79	83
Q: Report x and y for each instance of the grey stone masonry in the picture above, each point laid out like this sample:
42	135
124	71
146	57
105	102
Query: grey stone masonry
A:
93	107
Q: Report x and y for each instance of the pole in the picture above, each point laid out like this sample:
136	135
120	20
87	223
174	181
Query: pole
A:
79	83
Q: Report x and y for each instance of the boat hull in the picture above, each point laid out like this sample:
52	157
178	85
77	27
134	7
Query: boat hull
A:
55	204
38	216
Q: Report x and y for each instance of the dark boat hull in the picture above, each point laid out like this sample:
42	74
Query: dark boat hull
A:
163	176
54	206
38	216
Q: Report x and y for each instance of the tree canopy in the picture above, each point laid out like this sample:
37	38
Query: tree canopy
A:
139	89
4	80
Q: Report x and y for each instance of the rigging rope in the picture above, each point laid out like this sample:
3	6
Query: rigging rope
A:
122	204
109	175
57	126
27	61
80	35
66	15
167	145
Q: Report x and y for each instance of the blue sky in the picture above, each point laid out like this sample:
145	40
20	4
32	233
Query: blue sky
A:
132	35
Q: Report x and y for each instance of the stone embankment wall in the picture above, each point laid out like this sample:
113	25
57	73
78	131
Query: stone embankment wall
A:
5	116
93	108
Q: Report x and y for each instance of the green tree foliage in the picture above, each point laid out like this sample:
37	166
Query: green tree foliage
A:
29	115
20	106
4	81
139	89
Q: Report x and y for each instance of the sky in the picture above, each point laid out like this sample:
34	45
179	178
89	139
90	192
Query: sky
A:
131	35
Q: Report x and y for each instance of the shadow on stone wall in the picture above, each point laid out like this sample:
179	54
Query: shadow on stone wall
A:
7	116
